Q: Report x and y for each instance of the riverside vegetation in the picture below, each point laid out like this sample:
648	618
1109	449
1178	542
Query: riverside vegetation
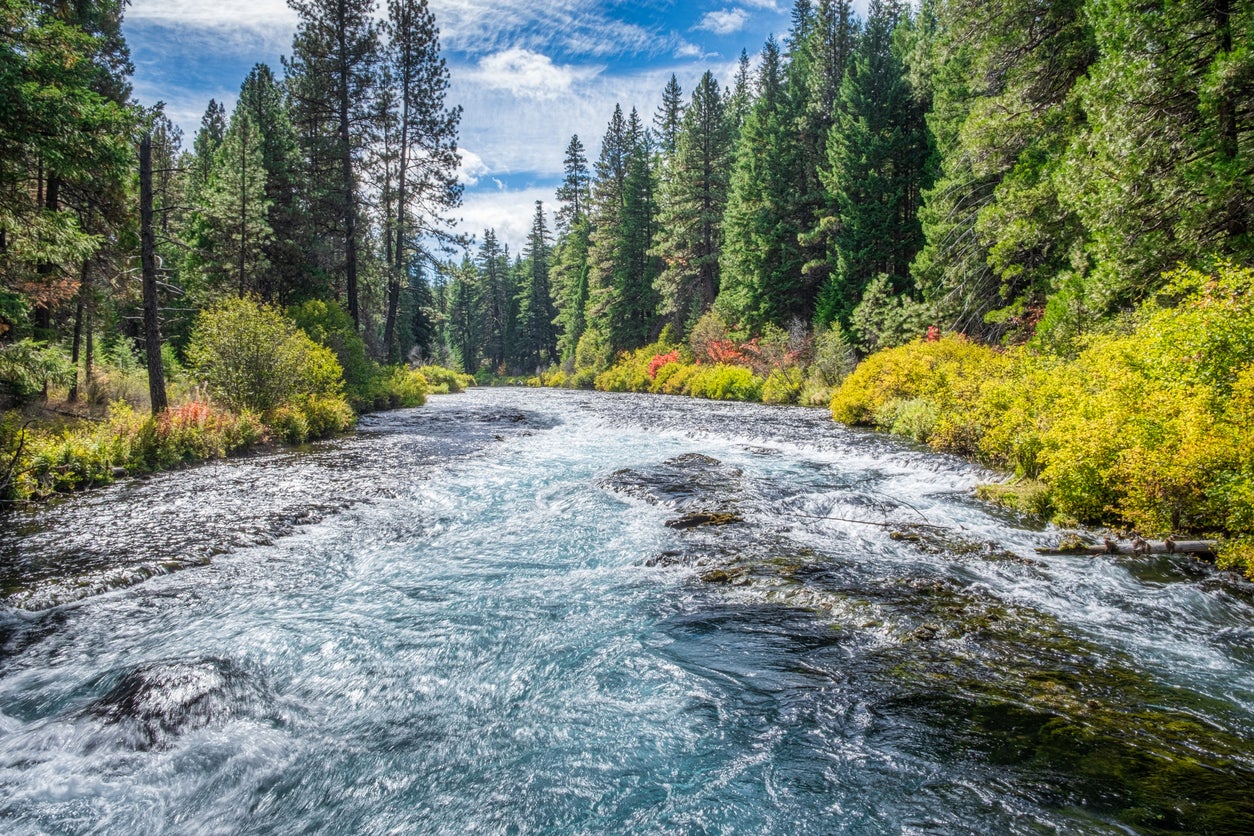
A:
253	377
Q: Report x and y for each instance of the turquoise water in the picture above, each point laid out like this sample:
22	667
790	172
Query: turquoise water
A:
472	618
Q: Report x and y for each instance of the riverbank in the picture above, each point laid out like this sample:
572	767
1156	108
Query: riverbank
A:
1145	427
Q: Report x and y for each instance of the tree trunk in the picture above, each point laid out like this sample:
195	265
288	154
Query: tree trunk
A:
350	191
79	312
1200	548
148	266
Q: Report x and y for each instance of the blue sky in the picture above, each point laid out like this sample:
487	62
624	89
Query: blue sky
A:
528	73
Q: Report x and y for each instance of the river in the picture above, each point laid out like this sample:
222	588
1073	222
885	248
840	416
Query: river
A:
473	618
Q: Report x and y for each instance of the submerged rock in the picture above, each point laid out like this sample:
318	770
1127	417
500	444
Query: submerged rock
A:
154	703
680	483
703	518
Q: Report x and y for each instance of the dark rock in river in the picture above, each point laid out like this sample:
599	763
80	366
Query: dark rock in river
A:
680	483
154	703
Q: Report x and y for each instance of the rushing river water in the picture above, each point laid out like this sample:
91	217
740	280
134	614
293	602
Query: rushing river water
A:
473	618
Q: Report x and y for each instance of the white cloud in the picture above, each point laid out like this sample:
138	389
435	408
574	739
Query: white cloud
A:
689	50
514	135
472	168
510	213
724	22
529	75
770	5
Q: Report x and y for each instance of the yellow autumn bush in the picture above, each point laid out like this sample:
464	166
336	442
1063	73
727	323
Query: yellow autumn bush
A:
1150	426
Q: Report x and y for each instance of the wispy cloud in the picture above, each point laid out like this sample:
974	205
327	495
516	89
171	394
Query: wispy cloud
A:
724	22
689	50
235	25
529	75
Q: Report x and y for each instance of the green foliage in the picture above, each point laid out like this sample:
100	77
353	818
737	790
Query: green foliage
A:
878	161
52	459
325	415
328	324
783	386
442	381
833	359
407	387
27	366
254	358
725	383
946	372
592	356
885	318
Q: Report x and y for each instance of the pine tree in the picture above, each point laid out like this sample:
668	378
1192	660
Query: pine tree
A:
332	75
205	145
636	299
235	212
464	324
420	313
568	275
568	278
762	259
740	95
427	160
669	118
499	304
1162	171
537	339
606	214
621	299
829	50
1002	114
263	100
574	195
691	208
878	154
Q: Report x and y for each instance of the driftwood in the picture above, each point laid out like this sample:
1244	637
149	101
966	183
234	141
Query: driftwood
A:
1198	548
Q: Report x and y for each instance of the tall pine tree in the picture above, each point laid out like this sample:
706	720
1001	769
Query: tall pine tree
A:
878	157
332	73
692	201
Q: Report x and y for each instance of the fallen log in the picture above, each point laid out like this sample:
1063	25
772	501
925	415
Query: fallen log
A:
1197	548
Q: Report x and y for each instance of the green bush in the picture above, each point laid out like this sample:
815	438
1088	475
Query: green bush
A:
442	381
592	356
27	366
325	415
407	387
289	424
725	383
254	358
783	386
329	325
58	459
